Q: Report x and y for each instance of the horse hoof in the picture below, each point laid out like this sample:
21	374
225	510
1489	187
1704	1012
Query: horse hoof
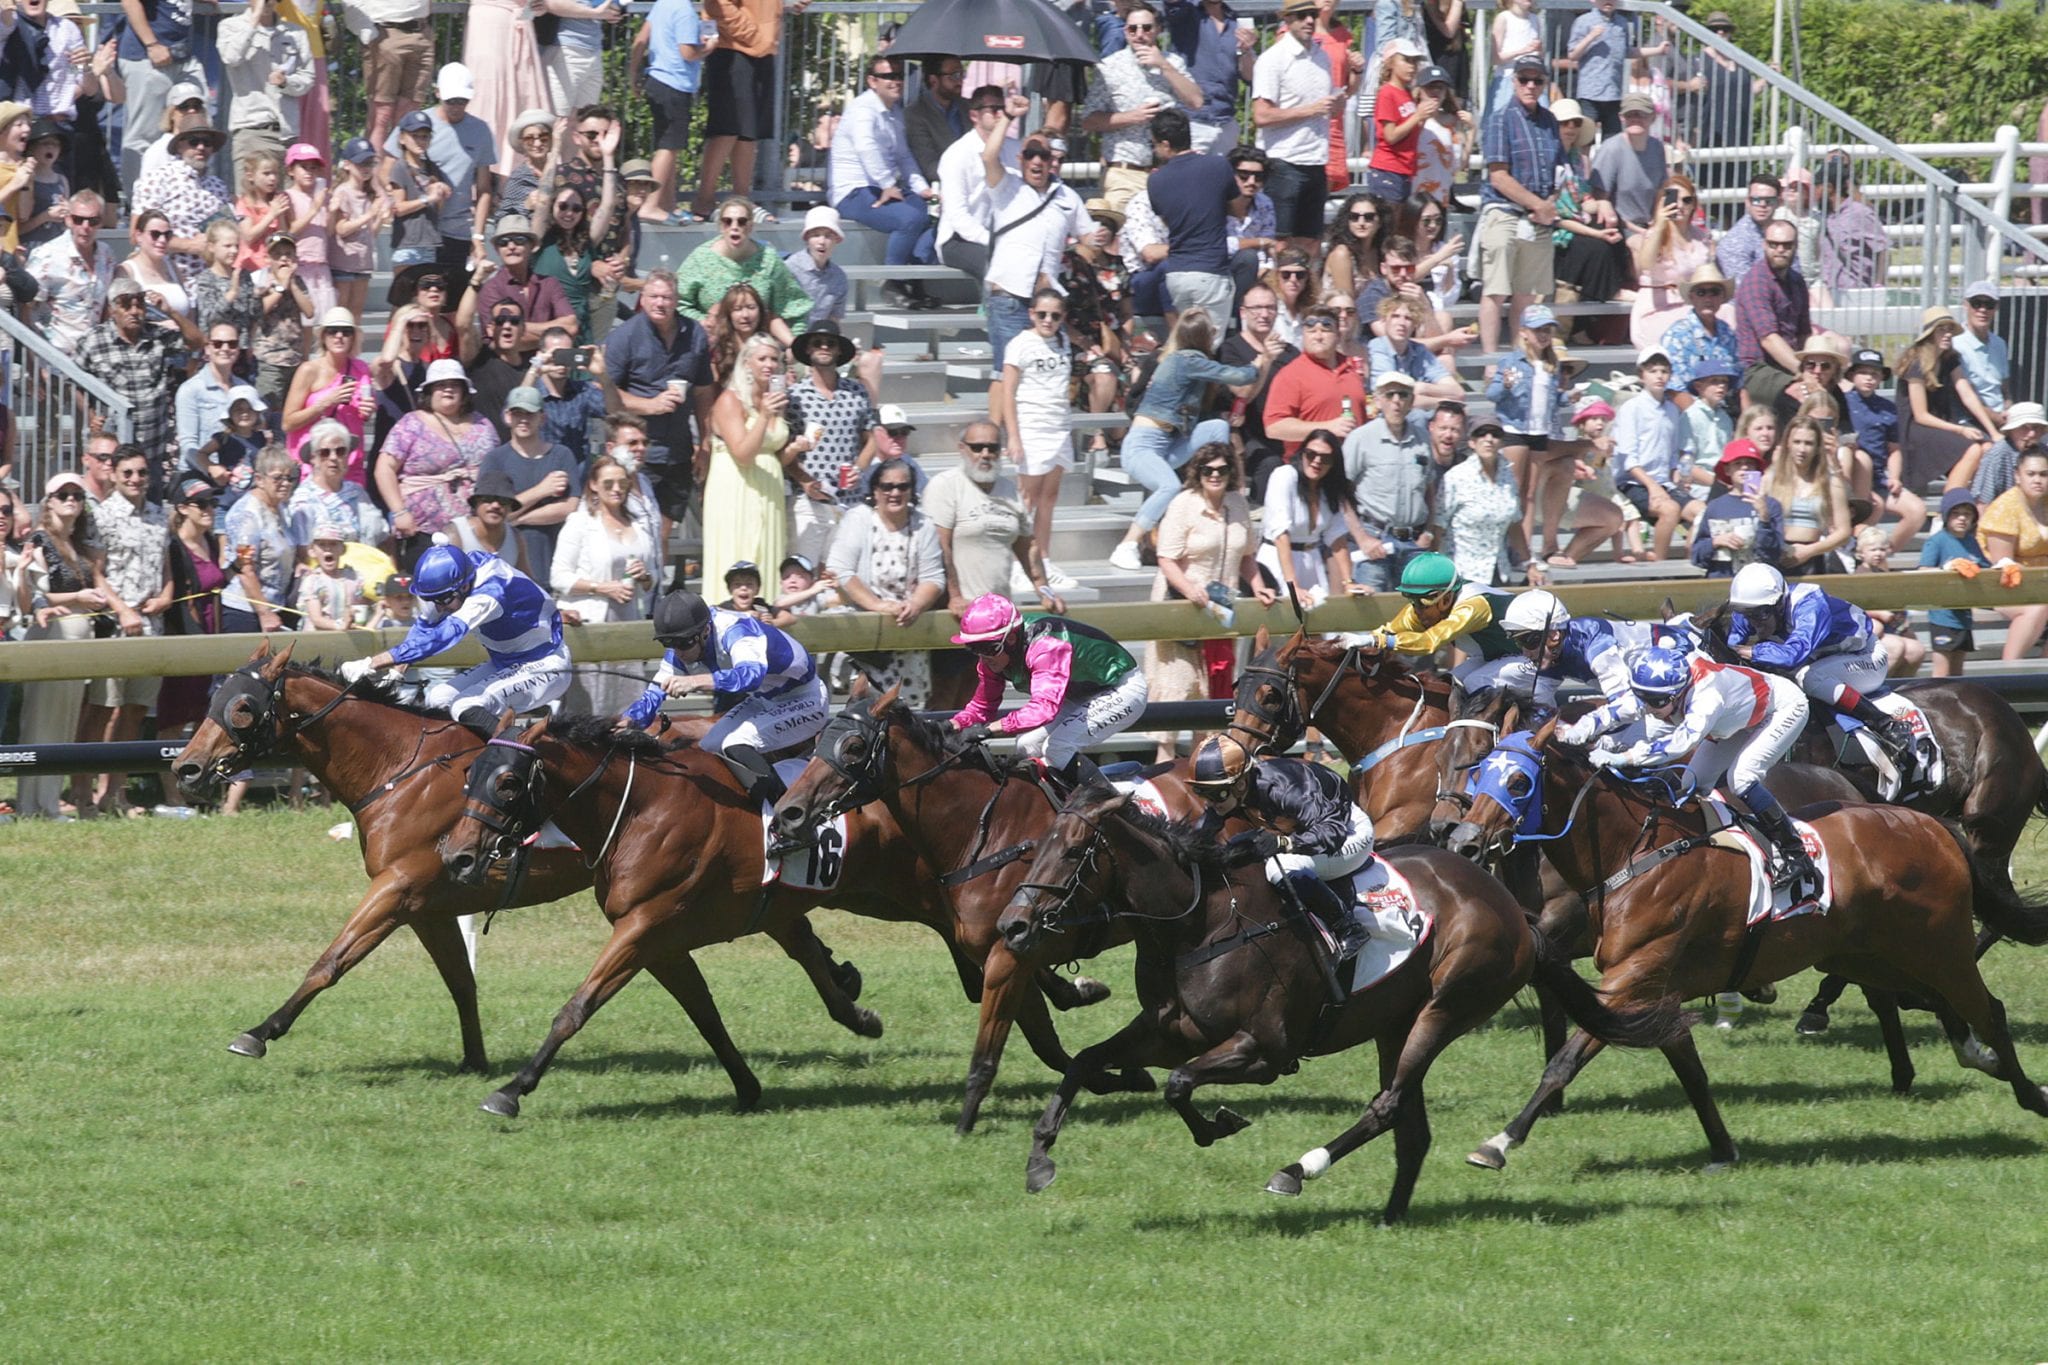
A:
1286	1180
1089	991
1229	1121
502	1103
1493	1153
1038	1173
248	1045
1766	994
473	1066
1811	1023
867	1024
747	1099
1719	1167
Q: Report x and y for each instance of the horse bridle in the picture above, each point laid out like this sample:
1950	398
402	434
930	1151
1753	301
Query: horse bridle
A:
866	777
265	734
1085	862
1292	722
512	822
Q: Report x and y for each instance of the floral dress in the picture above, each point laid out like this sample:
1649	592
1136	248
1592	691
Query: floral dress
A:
436	462
1476	513
892	574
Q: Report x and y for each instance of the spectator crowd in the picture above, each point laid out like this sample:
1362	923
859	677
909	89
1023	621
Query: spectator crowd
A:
1253	313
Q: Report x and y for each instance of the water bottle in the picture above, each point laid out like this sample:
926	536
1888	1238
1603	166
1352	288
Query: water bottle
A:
1347	411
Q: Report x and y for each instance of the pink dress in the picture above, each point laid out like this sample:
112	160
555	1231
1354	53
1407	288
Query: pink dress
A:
312	244
1660	294
436	466
347	414
499	50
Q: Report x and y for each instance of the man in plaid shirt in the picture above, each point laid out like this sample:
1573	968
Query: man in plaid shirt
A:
142	363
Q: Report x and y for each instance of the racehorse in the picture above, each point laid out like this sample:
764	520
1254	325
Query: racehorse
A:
1669	908
399	770
974	819
1992	778
677	849
1231	988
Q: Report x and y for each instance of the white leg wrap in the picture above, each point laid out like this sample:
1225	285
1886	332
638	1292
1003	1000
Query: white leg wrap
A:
1315	1163
1977	1057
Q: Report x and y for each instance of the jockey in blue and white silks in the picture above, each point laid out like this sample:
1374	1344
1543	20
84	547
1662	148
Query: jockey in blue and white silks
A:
764	682
526	665
1827	646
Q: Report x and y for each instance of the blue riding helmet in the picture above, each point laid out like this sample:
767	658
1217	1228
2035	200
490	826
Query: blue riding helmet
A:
1513	776
1658	676
442	571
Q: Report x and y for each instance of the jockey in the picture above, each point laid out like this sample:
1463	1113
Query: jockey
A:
1443	608
526	664
1557	647
763	683
1332	838
1084	687
1721	721
1828	647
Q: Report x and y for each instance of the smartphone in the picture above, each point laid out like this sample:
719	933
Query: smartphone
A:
1243	22
1750	482
1671	197
563	356
583	354
779	384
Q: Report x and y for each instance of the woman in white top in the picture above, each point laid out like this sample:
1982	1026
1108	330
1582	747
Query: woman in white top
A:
1516	34
1308	514
603	570
1037	409
1480	508
149	263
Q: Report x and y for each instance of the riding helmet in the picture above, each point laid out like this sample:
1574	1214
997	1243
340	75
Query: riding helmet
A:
1757	585
990	616
680	617
1535	610
1659	674
1429	574
443	569
1220	764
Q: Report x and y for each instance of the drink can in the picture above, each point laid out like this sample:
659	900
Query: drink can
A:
846	474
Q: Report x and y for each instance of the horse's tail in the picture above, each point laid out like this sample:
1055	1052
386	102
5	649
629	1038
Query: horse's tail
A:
1653	1025
1996	902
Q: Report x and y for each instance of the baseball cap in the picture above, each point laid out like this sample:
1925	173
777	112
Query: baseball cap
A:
891	417
740	567
1650	353
303	151
184	92
1867	359
1638	103
1538	315
195	489
418	121
357	151
797	562
1530	61
453	82
1405	47
1484	425
1432	75
243	393
525	398
395	586
1393	379
1982	289
281	239
57	483
329	531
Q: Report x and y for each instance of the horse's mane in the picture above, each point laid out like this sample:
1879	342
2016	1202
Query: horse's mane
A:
935	735
1184	839
1392	668
383	691
603	732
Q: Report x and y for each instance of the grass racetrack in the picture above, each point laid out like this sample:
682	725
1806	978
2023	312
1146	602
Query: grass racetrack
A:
343	1198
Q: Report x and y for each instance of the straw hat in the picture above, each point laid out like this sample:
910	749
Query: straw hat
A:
1829	345
1707	274
1933	316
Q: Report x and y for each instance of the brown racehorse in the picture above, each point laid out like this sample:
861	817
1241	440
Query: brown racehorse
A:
1670	920
400	771
973	820
677	849
1231	989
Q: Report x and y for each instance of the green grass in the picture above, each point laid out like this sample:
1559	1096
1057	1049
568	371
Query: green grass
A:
162	1199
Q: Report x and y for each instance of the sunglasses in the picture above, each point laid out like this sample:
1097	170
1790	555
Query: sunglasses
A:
886	78
67	495
1037	154
1656	703
1763	200
515	240
1984	305
983	447
566	207
338	331
690	641
1325	456
157	234
1251	175
440	598
1047	315
1294	274
988	108
985	647
1141	29
438	286
1363	217
330	452
224	344
740	221
507	320
1216	471
1319	325
892	487
131	473
1818	364
1531	80
603	485
1527	640
83	220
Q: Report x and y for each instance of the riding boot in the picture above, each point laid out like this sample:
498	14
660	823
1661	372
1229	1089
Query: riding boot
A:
1894	733
1795	869
755	772
1333	906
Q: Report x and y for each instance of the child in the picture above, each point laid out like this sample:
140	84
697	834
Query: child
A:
261	210
805	591
281	320
1743	524
328	591
394	607
309	193
359	209
1903	649
825	282
1707	418
46	138
228	461
1875	421
743	590
1953	547
1650	442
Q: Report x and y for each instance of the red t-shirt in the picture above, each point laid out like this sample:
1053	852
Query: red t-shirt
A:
1390	107
1315	393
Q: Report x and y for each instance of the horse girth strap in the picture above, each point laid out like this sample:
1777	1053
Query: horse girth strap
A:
981	867
1249	934
1368	762
1649	862
394	782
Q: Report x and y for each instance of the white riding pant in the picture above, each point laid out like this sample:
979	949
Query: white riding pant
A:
772	723
495	689
1355	853
1086	721
1743	758
1864	669
1478	675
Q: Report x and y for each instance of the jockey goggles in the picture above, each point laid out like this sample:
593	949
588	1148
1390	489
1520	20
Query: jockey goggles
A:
1431	598
1529	641
442	599
1658	701
689	641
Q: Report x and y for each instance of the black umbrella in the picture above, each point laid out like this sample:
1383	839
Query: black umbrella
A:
992	30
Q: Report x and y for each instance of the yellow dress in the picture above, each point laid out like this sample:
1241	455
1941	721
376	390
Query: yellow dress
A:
744	510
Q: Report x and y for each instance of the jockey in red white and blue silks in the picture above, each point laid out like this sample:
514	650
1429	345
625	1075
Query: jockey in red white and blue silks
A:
1721	722
763	683
1084	687
1827	646
526	664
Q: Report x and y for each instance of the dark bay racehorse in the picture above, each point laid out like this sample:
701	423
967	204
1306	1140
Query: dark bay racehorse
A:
677	851
976	821
400	772
1670	922
1231	989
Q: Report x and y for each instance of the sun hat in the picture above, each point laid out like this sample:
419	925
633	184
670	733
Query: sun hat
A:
337	316
2025	415
329	531
1933	316
824	218
512	225
639	168
1826	344
532	118
447	371
1593	407
1707	274
824	330
1744	449
495	485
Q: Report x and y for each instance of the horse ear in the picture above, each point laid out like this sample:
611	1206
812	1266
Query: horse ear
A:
1294	642
533	732
262	651
1670	609
505	722
277	662
1542	736
860	688
888	700
1262	641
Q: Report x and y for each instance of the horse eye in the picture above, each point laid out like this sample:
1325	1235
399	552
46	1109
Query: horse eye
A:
1519	785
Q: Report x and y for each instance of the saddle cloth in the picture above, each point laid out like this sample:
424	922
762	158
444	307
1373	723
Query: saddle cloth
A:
1928	777
816	868
1765	900
1382	898
1145	796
